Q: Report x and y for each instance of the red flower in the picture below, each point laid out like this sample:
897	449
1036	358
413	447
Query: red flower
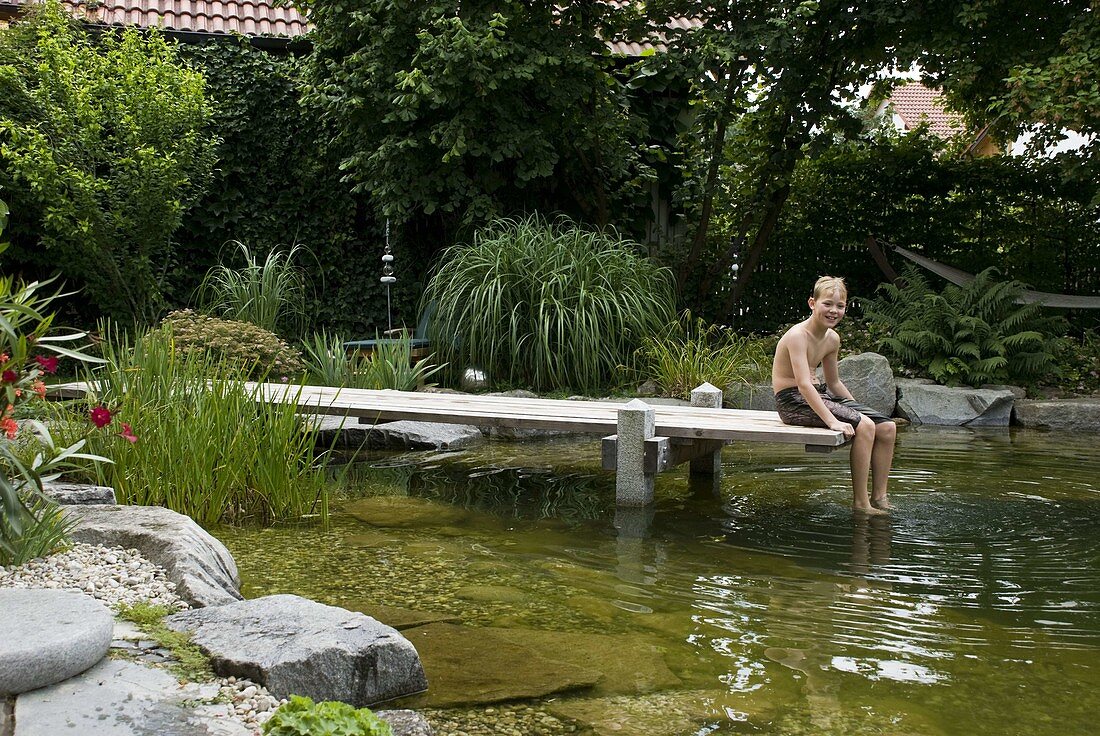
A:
47	363
127	433
9	376
100	416
9	426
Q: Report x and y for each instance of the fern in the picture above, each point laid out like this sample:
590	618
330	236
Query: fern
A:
971	334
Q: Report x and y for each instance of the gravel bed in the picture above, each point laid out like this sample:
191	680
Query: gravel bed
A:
120	577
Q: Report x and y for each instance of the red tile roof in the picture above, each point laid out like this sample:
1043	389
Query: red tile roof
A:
246	17
914	103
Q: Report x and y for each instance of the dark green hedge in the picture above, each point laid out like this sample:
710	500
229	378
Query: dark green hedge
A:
969	213
277	182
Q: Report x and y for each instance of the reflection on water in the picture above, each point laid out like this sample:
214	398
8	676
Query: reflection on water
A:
973	608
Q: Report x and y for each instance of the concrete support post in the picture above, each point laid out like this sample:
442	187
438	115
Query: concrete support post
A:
709	397
633	485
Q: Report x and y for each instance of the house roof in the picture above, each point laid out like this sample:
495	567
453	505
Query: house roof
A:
246	17
217	17
914	103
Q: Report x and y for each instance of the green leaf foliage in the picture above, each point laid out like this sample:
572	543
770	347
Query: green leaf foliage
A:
389	364
546	305
247	348
278	184
461	111
102	149
972	334
302	717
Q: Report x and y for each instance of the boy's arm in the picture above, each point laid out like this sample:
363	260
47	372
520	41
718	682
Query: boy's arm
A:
832	373
799	351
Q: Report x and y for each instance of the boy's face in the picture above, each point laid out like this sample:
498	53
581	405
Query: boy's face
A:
829	307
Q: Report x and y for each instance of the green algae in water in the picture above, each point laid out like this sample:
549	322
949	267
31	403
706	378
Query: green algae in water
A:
974	608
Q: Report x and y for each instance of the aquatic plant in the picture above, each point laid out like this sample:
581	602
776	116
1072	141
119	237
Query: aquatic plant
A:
31	525
544	304
206	448
971	334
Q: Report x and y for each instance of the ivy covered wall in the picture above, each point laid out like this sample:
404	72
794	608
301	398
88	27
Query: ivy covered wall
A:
278	182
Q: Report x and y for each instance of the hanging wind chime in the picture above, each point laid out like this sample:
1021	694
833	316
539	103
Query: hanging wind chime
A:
388	277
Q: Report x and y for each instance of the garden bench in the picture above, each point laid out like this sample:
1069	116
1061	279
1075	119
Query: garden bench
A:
418	341
646	440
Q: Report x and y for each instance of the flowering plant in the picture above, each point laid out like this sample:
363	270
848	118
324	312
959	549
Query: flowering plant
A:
30	524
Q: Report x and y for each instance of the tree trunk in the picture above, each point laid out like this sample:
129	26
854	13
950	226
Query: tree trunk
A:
773	209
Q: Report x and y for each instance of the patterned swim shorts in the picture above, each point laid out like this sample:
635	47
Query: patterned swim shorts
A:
793	409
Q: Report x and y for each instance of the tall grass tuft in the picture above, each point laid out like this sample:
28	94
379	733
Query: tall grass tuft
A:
389	365
692	352
546	305
270	294
204	448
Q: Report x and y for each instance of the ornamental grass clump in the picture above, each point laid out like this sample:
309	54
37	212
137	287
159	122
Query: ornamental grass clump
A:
205	447
389	365
691	353
244	346
970	334
548	305
269	294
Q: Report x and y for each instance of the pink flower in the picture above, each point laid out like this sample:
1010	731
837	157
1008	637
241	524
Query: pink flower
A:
47	363
4	357
127	433
9	426
100	416
9	376
39	388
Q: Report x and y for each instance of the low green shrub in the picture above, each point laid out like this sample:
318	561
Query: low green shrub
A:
546	305
255	351
1079	363
202	447
389	365
971	334
302	717
692	352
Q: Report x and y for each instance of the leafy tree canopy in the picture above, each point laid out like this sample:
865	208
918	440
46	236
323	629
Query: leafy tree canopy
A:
101	150
467	110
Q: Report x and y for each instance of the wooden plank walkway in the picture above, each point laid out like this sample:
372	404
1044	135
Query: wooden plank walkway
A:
572	416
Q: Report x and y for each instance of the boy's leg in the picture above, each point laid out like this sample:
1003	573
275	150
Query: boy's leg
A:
882	457
860	458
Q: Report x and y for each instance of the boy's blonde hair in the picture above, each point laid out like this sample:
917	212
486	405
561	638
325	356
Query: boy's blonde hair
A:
829	284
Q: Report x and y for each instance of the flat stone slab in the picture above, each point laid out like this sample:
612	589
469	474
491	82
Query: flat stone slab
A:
201	567
49	636
406	512
469	666
1075	415
122	698
410	435
295	646
79	494
925	403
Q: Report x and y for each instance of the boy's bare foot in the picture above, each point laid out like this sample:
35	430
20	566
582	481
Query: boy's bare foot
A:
869	510
882	503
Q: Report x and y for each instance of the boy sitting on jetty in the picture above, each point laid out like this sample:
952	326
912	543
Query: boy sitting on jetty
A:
799	401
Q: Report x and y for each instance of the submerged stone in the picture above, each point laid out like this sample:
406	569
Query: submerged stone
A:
468	666
397	617
404	512
492	594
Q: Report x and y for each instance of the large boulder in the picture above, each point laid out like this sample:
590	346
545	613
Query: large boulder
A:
49	636
871	381
923	403
1077	415
201	567
755	396
295	646
410	435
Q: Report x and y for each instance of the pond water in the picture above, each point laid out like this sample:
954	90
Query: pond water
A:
762	607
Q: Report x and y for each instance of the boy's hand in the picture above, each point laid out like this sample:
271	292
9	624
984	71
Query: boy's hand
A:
847	429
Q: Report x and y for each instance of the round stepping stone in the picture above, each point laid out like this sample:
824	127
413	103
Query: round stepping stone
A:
49	636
